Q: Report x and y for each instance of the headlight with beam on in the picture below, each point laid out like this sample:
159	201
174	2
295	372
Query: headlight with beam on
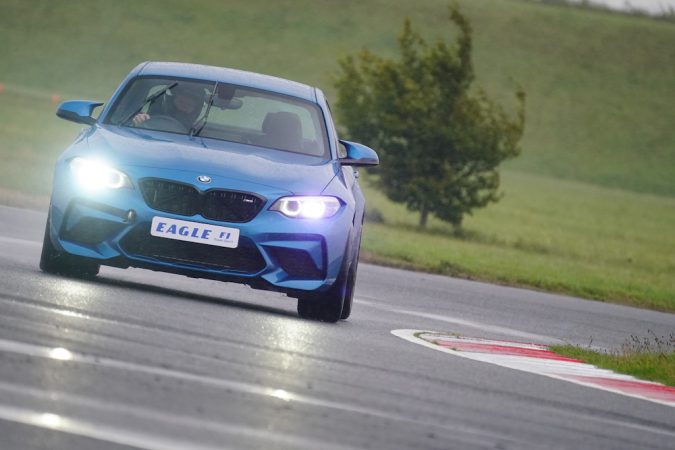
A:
94	175
307	207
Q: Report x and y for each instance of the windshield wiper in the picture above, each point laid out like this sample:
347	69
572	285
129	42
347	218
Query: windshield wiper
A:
195	129
150	100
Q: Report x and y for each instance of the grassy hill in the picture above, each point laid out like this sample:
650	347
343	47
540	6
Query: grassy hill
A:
600	110
547	233
600	85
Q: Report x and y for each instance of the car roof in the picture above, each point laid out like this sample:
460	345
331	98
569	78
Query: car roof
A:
227	75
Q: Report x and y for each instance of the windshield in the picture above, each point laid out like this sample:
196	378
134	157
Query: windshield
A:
221	111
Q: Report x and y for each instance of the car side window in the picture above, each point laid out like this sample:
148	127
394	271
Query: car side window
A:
341	149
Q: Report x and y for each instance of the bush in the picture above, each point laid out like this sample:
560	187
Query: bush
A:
440	143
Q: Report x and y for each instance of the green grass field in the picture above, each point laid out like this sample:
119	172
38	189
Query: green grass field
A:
600	86
649	358
589	206
551	234
646	366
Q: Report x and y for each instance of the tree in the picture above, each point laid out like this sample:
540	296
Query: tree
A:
440	142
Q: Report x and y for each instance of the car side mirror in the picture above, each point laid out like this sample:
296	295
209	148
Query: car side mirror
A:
78	111
359	155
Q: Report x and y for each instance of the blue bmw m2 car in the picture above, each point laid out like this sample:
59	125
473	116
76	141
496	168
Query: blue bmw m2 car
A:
212	173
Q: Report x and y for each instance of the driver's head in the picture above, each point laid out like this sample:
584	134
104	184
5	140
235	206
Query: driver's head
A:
186	102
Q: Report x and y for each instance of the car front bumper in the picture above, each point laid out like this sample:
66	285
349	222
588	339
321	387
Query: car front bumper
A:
112	227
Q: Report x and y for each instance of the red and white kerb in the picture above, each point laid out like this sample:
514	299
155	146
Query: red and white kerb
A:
539	359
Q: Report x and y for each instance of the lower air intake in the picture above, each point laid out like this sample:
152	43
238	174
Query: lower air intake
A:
244	259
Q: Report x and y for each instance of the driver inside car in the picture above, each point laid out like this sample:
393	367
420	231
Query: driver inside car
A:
184	103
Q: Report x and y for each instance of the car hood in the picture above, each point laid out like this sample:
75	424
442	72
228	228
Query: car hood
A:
296	173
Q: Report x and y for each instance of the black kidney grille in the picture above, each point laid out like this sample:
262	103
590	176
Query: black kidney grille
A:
230	206
215	204
175	198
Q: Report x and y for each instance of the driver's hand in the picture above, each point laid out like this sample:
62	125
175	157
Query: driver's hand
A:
140	118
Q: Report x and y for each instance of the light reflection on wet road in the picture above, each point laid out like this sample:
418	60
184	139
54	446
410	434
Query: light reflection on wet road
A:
143	359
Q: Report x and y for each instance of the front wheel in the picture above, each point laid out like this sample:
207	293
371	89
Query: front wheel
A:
326	308
335	304
56	262
349	292
351	282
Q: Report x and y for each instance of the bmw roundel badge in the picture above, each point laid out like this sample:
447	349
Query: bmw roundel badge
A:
204	178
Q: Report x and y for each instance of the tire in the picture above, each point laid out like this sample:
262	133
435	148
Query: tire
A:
351	284
336	304
349	292
308	308
328	306
55	262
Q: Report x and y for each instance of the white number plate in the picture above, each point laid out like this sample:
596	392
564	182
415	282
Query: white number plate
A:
202	233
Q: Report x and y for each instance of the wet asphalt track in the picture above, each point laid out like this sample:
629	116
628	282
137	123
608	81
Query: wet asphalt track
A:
162	361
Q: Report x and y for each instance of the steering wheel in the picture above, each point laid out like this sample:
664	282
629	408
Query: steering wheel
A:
164	123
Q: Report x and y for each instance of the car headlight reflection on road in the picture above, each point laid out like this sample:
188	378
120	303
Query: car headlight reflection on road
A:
60	353
49	420
94	175
307	207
